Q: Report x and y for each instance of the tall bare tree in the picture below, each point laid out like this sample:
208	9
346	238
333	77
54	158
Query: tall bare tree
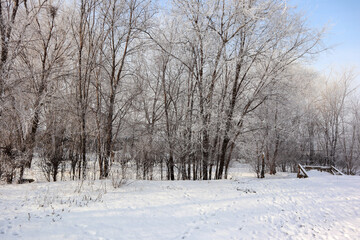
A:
123	21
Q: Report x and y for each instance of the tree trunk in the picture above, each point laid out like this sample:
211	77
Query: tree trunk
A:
262	174
108	141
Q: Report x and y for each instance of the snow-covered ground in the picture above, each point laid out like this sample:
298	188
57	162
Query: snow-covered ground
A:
278	207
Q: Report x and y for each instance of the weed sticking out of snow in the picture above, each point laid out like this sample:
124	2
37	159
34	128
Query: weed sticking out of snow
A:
245	190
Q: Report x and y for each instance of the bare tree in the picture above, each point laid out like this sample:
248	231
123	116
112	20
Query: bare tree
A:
349	139
87	37
265	47
123	22
44	59
331	106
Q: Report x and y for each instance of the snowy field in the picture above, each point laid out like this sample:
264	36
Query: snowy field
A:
281	207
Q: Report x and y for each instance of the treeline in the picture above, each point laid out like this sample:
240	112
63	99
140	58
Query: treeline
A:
179	92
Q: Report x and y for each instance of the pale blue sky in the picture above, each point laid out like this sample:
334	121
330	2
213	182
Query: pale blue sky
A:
343	19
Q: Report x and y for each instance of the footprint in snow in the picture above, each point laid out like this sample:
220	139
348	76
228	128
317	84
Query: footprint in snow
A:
186	234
